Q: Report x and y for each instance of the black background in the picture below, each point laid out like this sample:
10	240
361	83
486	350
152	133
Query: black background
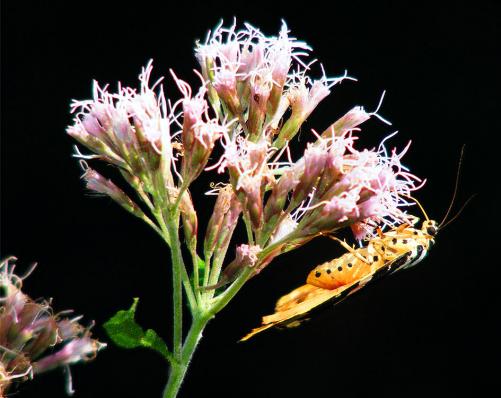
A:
428	331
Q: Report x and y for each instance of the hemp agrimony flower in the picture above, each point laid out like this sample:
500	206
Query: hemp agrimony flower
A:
255	95
33	339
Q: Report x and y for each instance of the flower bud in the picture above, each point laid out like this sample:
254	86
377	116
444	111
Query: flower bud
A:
250	193
194	160
303	101
279	194
279	55
331	174
77	350
246	256
199	133
339	212
96	145
97	183
314	158
348	122
260	91
190	221
225	85
222	222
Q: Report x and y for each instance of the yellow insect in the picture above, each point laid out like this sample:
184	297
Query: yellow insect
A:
333	281
357	263
401	247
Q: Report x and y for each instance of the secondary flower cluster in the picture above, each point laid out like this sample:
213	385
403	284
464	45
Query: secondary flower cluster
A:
33	339
255	96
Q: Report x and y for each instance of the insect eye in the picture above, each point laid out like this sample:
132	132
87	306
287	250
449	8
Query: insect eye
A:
431	231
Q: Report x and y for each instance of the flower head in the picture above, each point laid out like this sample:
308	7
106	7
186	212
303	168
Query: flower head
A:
244	52
365	186
128	128
29	331
249	71
304	95
199	133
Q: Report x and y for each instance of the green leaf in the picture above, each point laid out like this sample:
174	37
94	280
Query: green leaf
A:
152	340
126	333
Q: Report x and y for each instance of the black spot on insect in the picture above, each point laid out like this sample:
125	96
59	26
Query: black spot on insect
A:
328	271
394	241
350	265
375	258
256	98
415	232
317	274
404	241
340	268
383	248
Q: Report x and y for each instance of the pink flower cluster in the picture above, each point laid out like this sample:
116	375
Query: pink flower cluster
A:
256	94
33	340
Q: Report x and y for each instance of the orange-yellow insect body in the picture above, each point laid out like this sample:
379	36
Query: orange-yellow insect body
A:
388	246
343	270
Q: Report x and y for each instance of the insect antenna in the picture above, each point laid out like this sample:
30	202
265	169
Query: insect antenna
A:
455	192
458	213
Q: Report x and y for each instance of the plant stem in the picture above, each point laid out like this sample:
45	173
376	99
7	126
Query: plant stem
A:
178	369
172	232
180	366
176	288
248	228
222	300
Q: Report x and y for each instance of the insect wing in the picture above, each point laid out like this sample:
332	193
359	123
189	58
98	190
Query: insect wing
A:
292	308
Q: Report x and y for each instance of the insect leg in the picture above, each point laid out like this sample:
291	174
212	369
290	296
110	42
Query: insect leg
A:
350	249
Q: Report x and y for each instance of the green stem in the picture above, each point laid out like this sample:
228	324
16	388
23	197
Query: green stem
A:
182	190
196	276
180	366
248	228
207	271
224	298
178	369
176	287
217	264
168	234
